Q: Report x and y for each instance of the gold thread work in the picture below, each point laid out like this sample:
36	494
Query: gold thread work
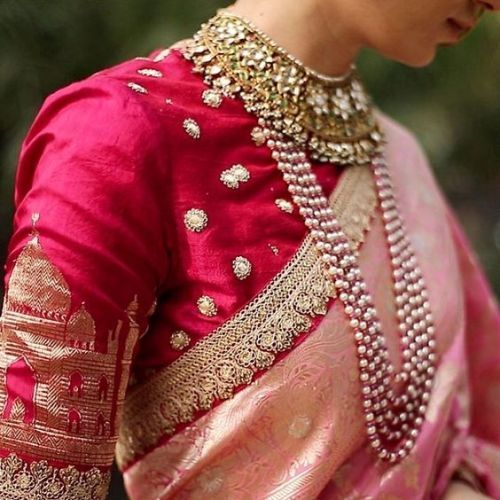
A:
249	341
38	480
70	391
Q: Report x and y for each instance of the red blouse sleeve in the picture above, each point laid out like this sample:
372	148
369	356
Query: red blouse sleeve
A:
85	261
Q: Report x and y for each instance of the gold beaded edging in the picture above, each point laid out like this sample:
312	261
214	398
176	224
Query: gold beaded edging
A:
21	481
248	342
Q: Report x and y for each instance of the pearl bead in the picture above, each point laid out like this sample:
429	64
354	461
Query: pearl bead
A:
415	320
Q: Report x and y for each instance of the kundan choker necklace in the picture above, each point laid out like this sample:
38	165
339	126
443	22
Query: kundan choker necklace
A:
332	116
301	114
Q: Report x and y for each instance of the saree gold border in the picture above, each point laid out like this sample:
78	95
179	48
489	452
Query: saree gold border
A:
248	342
20	481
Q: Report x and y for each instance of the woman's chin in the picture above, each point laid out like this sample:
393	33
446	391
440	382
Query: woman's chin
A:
418	60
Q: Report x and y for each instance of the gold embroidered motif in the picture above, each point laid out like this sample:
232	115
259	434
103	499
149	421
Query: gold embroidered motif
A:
285	205
212	98
179	340
249	341
206	305
169	101
162	55
274	249
70	391
137	88
153	73
192	128
233	176
196	220
242	267
38	480
258	136
34	268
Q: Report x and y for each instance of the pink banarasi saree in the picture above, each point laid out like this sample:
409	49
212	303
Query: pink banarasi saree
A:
298	431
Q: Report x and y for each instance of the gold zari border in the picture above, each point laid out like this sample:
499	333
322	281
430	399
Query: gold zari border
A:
21	481
249	341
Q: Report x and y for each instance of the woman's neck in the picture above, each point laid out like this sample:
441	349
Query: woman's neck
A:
303	29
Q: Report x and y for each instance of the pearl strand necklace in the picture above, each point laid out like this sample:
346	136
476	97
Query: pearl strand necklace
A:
393	421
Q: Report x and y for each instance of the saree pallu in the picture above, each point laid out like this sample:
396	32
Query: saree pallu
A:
298	431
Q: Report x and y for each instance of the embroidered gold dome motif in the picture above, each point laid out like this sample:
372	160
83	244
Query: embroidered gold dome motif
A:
81	327
36	285
334	117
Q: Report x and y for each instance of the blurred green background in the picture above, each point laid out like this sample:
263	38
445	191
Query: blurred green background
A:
453	106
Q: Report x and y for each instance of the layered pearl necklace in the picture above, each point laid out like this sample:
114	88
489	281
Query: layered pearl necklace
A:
394	404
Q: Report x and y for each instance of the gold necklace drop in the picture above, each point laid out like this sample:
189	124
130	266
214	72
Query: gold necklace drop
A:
332	117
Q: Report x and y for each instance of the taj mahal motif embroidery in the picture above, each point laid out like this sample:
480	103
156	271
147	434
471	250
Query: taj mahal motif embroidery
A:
56	389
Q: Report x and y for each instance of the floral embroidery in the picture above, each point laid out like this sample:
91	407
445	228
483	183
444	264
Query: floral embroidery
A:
196	220
137	88
20	481
212	98
192	128
179	340
234	176
242	267
206	305
153	73
285	205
